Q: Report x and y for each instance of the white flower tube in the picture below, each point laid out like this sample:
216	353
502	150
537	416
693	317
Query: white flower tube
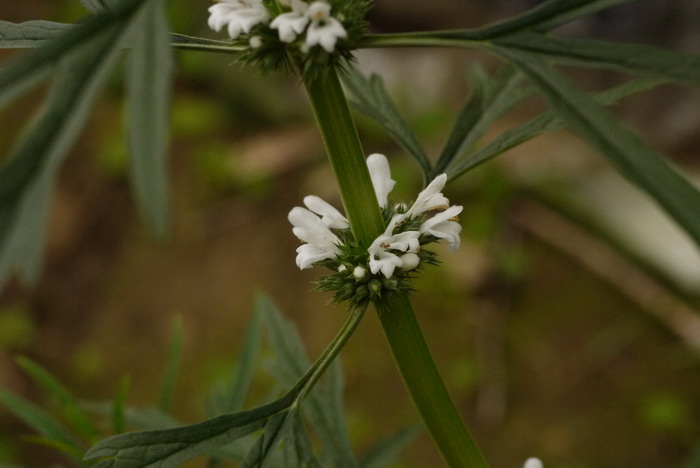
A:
240	16
380	174
324	30
444	225
321	243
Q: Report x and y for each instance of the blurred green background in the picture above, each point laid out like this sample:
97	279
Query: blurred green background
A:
554	341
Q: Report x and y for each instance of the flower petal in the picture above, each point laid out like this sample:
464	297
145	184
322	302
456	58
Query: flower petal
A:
431	198
445	225
380	174
330	216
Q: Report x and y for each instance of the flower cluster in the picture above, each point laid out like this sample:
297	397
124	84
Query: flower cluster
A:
361	274
303	30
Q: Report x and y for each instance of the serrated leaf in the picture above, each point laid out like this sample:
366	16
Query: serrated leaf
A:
372	99
627	152
545	122
68	404
148	86
172	366
40	420
29	33
27	178
635	59
283	442
170	447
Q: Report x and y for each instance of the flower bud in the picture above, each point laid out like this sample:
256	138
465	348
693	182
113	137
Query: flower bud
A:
359	272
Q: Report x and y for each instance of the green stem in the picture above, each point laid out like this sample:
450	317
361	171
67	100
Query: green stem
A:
403	333
425	385
346	156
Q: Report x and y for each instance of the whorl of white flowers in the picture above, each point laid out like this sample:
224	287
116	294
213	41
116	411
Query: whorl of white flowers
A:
392	256
314	19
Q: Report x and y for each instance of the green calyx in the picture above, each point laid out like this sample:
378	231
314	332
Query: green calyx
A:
352	280
263	44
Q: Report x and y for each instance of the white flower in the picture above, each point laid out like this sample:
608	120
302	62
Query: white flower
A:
444	225
291	24
380	257
533	463
240	16
321	243
409	261
431	198
329	215
324	30
380	174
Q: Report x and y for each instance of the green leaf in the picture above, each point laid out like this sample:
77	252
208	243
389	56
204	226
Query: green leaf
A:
627	153
546	15
29	33
388	450
234	399
545	122
491	98
372	99
148	86
170	447
172	366
283	431
635	59
40	420
95	6
27	178
69	405
40	61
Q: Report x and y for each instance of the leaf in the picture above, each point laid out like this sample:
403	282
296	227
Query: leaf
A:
27	178
29	33
39	62
546	15
234	399
372	99
148	87
635	59
627	153
170	447
172	366
490	100
283	431
96	6
40	420
68	404
387	451
545	122
322	403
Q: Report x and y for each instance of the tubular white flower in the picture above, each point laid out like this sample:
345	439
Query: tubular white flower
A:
290	25
380	257
321	243
329	215
380	174
409	261
431	198
240	16
444	225
324	30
